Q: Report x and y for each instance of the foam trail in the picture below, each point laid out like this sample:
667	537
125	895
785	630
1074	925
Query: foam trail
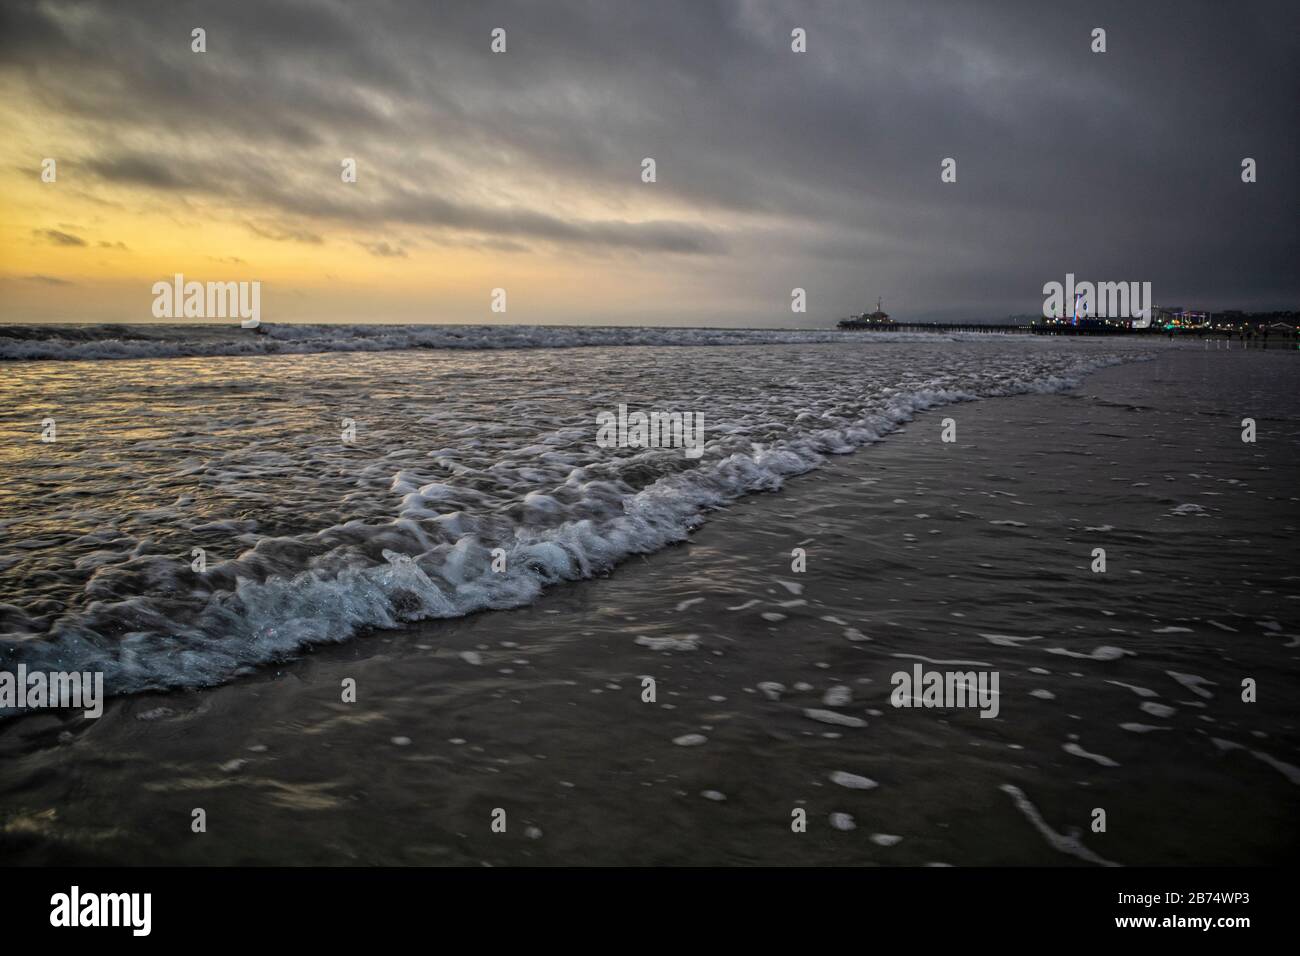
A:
1069	845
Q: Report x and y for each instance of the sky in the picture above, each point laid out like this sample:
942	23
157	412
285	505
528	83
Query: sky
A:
522	170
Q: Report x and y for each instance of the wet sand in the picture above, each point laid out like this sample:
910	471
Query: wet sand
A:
916	549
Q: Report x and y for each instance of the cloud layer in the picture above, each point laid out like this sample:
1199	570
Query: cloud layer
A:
775	169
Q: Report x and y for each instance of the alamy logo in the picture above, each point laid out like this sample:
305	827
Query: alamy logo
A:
28	690
946	689
1101	300
103	909
179	299
626	429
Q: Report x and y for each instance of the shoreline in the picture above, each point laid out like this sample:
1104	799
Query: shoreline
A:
652	517
538	710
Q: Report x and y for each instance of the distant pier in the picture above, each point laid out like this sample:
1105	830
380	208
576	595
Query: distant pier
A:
1274	337
940	327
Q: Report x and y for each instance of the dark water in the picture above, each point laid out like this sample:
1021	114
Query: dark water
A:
1119	691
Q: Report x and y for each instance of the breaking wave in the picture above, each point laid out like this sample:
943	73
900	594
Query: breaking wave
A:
523	475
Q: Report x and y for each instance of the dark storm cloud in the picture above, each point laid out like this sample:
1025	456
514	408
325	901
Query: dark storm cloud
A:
252	180
148	171
818	169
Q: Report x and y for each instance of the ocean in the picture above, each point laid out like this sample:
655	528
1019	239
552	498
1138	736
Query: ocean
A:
235	529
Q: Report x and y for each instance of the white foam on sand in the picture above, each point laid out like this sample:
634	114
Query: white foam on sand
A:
837	696
1060	842
1007	640
1104	653
930	660
1136	728
852	781
831	717
1291	772
1193	683
1076	750
688	642
1156	709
